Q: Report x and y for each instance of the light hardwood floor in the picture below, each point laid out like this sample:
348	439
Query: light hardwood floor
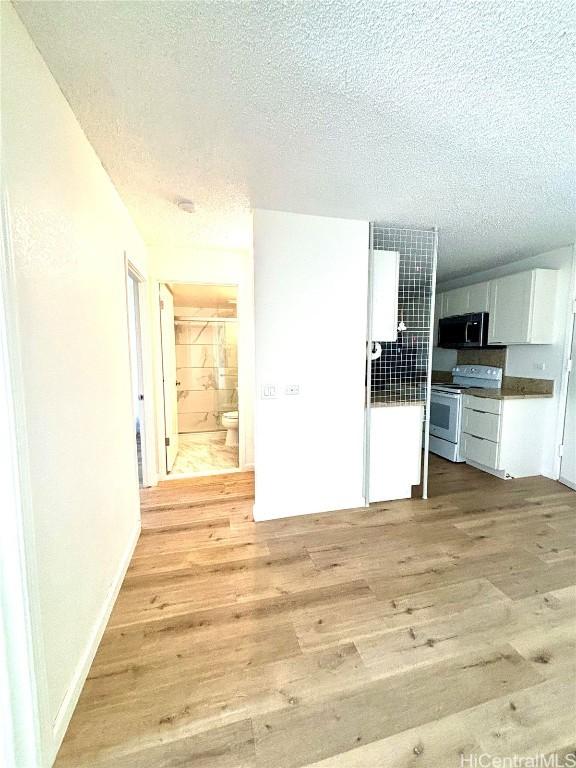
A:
406	634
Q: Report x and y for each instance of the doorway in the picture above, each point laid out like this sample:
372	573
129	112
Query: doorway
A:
199	349
133	284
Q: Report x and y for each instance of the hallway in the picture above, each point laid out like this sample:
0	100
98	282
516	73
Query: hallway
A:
320	640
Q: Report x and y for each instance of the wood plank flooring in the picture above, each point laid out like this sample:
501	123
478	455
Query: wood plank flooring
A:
406	634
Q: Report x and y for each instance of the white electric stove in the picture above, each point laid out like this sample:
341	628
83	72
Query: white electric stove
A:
446	407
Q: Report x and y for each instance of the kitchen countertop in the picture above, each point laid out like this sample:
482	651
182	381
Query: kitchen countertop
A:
512	387
504	394
413	395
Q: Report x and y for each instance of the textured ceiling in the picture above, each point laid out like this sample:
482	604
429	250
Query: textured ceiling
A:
455	113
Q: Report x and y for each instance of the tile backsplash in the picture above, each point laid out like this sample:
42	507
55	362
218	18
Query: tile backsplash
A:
494	357
400	373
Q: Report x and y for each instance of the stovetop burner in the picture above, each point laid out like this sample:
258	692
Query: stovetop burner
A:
466	376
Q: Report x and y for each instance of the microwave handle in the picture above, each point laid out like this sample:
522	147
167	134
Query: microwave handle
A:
466	332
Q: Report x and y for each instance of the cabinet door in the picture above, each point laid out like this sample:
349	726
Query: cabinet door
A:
440	306
385	295
456	302
481	451
510	297
395	451
478	297
479	424
438	313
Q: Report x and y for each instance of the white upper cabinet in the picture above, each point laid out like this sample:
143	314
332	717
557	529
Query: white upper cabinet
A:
456	302
522	308
438	313
385	295
478	297
460	301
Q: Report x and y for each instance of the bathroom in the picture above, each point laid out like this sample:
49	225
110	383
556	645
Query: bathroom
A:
199	335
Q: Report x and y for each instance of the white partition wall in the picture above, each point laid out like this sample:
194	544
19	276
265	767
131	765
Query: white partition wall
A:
77	461
311	284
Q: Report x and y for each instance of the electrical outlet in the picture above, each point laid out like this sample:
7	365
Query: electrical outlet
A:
269	391
292	389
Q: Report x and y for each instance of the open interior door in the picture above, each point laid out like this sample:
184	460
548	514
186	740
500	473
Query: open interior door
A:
168	339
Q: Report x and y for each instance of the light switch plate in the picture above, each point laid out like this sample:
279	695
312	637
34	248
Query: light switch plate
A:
269	391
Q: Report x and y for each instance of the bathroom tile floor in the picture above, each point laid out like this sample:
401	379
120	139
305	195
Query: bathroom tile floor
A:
203	452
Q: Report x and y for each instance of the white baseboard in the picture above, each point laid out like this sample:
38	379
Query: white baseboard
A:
83	667
568	483
496	472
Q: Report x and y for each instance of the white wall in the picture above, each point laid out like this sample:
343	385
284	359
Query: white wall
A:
69	232
522	359
311	281
186	265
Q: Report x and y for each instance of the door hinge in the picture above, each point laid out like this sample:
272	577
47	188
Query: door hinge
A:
166	441
161	304
140	397
569	365
560	451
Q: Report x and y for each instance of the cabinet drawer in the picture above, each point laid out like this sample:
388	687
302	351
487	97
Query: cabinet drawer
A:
480	450
484	404
481	424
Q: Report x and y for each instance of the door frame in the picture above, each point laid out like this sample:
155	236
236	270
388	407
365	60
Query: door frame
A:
566	356
149	475
571	335
242	383
167	417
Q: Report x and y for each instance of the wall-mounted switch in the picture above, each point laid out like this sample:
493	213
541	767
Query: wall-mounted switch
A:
269	391
540	366
292	389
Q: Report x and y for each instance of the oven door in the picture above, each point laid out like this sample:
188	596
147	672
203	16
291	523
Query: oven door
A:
445	415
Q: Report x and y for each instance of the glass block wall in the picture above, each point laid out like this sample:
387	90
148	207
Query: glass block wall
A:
400	374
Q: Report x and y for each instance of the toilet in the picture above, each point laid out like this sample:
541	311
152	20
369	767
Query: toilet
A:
230	422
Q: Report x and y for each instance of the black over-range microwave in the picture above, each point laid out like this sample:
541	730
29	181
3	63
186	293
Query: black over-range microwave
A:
462	331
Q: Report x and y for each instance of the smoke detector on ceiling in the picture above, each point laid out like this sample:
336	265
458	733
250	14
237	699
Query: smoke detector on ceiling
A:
187	206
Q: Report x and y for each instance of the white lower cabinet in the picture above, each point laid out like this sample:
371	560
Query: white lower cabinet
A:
504	437
395	451
481	451
481	424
